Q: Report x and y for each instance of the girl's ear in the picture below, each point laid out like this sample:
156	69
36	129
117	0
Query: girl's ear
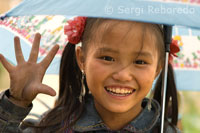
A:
80	57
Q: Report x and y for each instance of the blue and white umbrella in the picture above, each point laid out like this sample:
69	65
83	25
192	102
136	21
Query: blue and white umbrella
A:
170	12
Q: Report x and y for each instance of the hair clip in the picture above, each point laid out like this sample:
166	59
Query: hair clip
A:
74	29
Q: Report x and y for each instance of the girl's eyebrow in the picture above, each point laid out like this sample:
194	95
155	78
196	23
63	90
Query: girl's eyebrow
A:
143	53
137	53
105	49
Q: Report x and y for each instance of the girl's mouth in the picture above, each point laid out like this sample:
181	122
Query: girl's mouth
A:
120	92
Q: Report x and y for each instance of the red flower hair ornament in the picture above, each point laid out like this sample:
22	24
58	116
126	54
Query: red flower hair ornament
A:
74	29
174	48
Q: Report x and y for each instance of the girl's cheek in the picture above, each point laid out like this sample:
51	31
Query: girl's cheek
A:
96	76
101	67
98	67
146	77
96	70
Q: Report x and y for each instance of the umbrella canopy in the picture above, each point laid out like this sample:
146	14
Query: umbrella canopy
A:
170	12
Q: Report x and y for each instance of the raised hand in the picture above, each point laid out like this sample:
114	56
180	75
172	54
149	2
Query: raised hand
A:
26	77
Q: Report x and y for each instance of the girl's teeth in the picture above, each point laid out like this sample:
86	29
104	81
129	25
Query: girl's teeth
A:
119	91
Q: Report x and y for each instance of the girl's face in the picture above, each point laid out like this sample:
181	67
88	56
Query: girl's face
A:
121	67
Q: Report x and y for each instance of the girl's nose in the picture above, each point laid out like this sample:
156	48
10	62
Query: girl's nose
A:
124	74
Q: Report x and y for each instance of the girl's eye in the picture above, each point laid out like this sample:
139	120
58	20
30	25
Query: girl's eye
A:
140	62
107	58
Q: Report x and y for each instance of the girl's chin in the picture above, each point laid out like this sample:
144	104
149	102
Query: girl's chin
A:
120	108
107	106
119	111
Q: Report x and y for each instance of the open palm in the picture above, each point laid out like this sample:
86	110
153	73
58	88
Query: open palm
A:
26	77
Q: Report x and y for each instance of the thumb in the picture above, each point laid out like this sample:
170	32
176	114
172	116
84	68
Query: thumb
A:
45	89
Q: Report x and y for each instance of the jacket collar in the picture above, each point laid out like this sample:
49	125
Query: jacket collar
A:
145	121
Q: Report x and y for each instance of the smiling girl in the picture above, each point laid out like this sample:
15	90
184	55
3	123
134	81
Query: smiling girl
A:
103	82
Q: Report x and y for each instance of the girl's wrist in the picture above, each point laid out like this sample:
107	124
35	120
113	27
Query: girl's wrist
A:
18	102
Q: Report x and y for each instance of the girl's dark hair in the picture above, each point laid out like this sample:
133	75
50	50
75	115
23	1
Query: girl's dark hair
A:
171	104
60	117
68	109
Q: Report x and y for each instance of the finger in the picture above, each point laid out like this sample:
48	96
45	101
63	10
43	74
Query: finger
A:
48	59
5	63
35	48
45	89
18	51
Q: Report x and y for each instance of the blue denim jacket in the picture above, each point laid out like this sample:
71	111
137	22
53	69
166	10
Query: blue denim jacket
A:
144	122
11	116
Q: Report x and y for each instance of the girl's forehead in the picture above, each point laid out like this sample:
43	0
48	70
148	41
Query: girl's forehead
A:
124	32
